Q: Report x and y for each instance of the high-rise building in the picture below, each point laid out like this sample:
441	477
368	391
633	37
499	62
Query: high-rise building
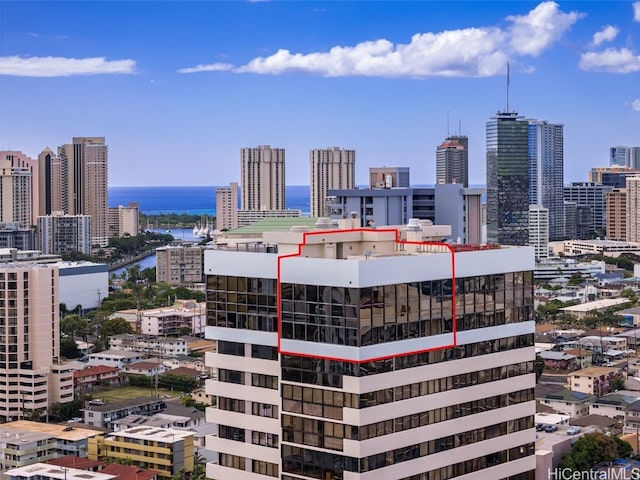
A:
546	172
452	160
52	181
179	265
623	156
331	168
360	357
64	234
591	201
617	214
539	231
263	178
18	194
507	179
633	209
14	235
227	207
124	220
30	346
83	171
615	177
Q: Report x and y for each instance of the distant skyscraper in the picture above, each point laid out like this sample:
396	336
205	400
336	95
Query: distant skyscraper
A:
18	188
633	209
52	181
84	176
539	230
263	178
124	220
452	161
331	168
591	208
617	214
623	156
546	172
615	177
227	207
63	234
507	179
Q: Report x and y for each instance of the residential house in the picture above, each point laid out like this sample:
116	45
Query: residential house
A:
563	400
593	380
104	415
145	368
558	360
613	405
98	375
115	358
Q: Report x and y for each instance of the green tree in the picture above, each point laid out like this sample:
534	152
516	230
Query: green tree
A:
617	383
74	325
589	450
115	326
69	348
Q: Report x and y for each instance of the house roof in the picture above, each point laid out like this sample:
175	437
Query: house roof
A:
126	472
71	461
189	372
96	370
143	365
552	355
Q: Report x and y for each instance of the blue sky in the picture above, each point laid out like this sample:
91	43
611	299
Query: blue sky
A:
177	88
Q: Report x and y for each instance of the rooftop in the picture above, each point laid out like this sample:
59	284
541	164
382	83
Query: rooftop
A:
123	404
44	470
593	372
166	435
597	305
37	429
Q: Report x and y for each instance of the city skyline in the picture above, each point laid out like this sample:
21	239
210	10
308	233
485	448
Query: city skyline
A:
200	81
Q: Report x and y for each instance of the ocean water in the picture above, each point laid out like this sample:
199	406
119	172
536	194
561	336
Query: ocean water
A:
192	200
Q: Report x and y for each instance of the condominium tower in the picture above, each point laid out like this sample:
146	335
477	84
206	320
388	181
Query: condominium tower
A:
30	368
617	214
452	161
362	354
546	172
263	178
331	168
507	179
227	207
64	234
18	188
624	156
633	209
76	182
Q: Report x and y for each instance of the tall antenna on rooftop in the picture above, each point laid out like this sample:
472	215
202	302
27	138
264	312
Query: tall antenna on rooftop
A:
459	127
508	75
447	123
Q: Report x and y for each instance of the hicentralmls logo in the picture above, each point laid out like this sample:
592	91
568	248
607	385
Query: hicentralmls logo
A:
613	474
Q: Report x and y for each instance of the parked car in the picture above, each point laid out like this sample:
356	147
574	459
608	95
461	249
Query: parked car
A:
540	427
573	430
551	428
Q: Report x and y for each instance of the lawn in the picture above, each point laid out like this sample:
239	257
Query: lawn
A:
129	392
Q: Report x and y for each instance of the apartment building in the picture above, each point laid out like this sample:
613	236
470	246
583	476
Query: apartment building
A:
179	265
227	207
330	168
368	354
124	220
29	341
167	451
61	234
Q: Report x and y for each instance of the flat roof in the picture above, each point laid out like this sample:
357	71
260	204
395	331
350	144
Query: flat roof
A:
273	224
48	430
598	304
167	435
53	471
593	371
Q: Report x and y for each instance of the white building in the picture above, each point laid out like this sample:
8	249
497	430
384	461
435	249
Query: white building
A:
83	283
372	381
115	358
152	345
539	230
62	234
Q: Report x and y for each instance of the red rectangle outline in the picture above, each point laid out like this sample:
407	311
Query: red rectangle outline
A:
398	241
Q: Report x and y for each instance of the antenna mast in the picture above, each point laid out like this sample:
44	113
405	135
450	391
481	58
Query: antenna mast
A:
447	123
508	75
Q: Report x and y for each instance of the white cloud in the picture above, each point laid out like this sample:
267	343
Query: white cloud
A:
608	33
63	67
531	34
636	11
611	60
472	52
214	67
635	105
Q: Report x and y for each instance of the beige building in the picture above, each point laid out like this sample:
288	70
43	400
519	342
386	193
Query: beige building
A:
227	207
16	188
83	177
592	380
331	168
617	214
52	180
263	178
124	220
180	264
539	230
30	370
633	209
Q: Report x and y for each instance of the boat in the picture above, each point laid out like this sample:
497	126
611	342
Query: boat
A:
196	230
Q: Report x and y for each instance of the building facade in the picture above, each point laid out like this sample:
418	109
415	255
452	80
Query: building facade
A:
539	230
452	161
30	341
592	196
615	177
180	264
13	235
624	156
263	178
389	177
79	175
62	234
123	221
617	214
507	179
546	172
331	168
16	193
227	207
367	378
633	209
